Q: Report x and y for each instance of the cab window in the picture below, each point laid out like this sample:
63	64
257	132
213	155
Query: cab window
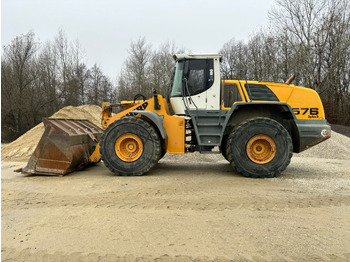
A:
176	90
231	95
199	75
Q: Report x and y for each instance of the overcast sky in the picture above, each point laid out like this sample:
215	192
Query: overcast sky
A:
105	28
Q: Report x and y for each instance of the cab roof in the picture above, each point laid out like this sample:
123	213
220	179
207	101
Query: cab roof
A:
178	57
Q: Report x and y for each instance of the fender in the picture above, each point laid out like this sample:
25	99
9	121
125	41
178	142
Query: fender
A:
285	106
237	105
155	119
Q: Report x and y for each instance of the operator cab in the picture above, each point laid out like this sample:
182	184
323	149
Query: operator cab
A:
196	83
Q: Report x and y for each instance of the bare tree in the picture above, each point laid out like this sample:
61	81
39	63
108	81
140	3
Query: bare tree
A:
162	67
99	87
147	69
47	76
235	62
137	64
37	80
318	35
69	61
17	78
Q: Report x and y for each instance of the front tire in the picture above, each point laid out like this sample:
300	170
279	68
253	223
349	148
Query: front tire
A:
130	146
260	147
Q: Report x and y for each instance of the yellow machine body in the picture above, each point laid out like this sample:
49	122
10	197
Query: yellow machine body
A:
256	125
305	102
174	125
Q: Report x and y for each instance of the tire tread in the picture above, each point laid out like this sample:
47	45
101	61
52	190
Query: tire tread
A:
153	136
235	161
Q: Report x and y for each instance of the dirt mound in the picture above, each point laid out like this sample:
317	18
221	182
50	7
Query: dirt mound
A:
23	147
344	130
336	147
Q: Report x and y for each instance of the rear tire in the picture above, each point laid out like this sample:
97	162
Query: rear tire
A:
130	146
224	146
259	148
163	152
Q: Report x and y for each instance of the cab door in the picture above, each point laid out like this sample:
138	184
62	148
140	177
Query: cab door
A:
196	82
200	85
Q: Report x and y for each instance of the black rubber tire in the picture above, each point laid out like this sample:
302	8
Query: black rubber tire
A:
223	147
237	148
163	152
150	141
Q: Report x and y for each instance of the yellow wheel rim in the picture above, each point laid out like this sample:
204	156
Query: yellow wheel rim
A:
128	147
261	149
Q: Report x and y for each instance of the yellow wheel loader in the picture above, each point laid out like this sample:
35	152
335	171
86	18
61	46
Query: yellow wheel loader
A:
256	125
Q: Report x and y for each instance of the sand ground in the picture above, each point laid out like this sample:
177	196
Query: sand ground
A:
186	208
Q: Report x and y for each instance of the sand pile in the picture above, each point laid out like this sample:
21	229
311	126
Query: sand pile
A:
23	147
336	147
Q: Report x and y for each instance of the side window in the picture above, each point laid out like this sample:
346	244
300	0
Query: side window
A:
231	95
196	80
200	76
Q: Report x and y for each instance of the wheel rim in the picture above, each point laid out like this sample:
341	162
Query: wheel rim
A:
128	147
261	149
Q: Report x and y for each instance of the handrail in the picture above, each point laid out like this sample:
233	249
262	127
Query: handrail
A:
187	107
189	96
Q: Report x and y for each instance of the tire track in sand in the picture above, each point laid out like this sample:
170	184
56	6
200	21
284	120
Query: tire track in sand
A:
29	255
13	199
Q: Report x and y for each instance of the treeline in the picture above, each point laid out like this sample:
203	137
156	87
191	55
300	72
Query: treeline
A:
147	69
309	38
39	79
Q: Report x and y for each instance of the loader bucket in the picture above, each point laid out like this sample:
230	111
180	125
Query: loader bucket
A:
64	147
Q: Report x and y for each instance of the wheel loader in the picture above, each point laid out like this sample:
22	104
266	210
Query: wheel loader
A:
255	125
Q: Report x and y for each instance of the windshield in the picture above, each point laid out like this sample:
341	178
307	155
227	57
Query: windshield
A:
176	90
